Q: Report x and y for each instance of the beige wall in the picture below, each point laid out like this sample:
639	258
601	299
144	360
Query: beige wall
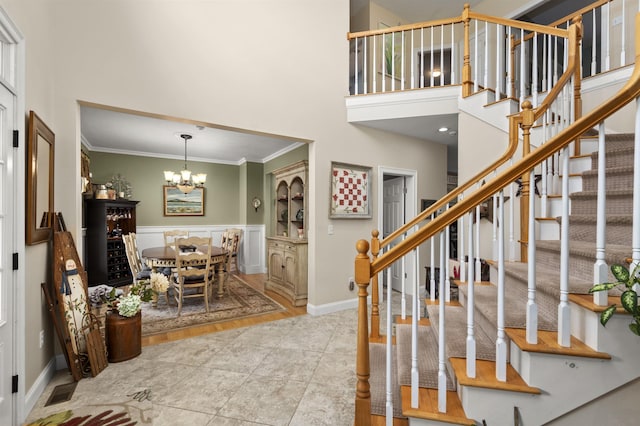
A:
177	58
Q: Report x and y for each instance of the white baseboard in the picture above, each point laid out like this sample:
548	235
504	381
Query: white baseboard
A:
38	387
329	308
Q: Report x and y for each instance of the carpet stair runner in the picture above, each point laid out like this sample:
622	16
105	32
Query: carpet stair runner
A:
581	259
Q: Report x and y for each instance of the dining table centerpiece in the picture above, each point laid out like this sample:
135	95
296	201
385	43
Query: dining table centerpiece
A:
159	285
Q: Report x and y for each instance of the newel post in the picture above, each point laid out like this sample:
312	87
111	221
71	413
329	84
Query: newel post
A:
363	394
375	299
467	83
527	121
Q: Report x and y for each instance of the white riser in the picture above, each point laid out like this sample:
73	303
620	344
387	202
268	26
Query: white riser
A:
579	164
547	230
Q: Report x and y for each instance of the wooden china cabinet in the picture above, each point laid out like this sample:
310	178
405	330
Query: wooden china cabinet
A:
287	249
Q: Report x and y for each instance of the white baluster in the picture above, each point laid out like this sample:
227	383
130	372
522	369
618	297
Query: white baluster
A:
422	57
413	76
501	342
623	34
508	54
545	37
402	62
384	63
453	56
365	68
532	306
393	61
494	225
534	82
600	268
355	66
486	54
522	67
389	352
373	67
441	55
471	340
415	315
564	320
403	280
447	278
499	61
606	13
463	268
512	239
442	360
475	60
432	280
431	55
594	62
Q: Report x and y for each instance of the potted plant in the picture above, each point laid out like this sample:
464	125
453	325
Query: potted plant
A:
628	298
123	321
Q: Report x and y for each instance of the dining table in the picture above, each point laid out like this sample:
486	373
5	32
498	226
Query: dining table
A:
165	257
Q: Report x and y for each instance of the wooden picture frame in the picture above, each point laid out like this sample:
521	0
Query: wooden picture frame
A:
177	203
40	173
349	191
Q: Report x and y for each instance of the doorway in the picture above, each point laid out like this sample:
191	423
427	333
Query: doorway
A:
397	199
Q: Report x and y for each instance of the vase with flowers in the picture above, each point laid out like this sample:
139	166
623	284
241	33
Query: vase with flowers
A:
159	285
123	321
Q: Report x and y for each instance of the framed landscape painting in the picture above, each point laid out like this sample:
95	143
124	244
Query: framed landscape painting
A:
177	203
349	191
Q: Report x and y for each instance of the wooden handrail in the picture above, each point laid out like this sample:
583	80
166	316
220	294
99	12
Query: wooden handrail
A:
527	26
628	93
579	12
406	27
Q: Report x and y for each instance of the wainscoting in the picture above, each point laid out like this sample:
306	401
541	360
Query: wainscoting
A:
251	257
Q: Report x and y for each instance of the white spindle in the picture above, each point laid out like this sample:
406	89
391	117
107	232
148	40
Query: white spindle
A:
594	62
373	67
606	23
501	341
534	82
402	62
532	307
355	67
384	63
441	283
476	64
393	61
453	56
523	72
365	68
463	268
499	61
600	268
422	57
494	225
403	280
432	275
431	55
471	339
623	36
477	248
508	53
512	239
413	76
447	278
415	316
441	55
555	59
442	360
545	37
564	324
389	352
486	54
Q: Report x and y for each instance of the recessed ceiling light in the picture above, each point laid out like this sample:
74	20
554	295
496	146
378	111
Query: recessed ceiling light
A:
443	129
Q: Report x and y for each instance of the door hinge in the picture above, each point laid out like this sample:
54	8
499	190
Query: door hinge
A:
15	261
16	135
14	384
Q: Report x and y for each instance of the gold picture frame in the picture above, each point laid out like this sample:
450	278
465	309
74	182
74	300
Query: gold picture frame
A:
177	203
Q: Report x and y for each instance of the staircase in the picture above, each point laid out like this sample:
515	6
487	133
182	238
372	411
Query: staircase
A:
538	373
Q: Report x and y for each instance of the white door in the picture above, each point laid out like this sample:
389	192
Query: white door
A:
393	218
7	366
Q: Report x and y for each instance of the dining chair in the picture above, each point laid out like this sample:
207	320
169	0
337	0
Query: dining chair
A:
170	236
190	281
231	243
139	270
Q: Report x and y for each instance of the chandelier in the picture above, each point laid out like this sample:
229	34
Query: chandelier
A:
185	181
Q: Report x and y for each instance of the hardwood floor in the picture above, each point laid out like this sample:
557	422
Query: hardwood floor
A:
254	280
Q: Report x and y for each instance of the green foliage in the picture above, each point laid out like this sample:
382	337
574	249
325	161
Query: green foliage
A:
628	299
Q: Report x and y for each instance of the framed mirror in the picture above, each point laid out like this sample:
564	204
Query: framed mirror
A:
40	162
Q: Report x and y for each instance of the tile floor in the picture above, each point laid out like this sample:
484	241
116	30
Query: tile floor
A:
295	371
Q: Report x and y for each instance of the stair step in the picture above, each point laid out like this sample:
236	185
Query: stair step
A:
428	407
456	333
619	227
427	361
581	257
618	202
377	380
621	156
618	177
548	344
486	377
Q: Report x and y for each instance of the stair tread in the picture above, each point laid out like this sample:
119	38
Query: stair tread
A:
616	252
486	377
377	380
428	406
548	343
427	361
456	333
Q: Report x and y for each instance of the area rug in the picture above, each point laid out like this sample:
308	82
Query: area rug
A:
240	300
